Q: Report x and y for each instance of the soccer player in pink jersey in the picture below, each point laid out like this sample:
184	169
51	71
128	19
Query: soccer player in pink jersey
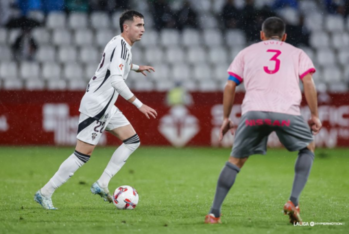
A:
270	70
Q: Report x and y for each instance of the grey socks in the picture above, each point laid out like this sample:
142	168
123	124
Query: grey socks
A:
225	182
302	169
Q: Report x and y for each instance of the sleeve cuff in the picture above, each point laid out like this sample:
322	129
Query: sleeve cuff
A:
311	70
234	77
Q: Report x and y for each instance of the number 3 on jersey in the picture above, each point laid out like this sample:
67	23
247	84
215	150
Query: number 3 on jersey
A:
276	60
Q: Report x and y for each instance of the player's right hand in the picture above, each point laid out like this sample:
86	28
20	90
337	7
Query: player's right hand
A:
148	111
226	126
315	124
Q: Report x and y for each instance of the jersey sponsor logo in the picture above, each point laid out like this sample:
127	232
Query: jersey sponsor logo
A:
179	126
94	135
259	122
121	66
235	116
57	119
335	117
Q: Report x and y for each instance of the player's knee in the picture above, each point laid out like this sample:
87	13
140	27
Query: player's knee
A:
133	146
133	142
307	153
239	162
311	147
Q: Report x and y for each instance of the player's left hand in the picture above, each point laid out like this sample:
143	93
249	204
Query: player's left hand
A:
226	126
315	124
143	69
148	111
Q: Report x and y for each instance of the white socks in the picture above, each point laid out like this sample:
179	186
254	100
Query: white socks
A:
76	160
65	171
118	160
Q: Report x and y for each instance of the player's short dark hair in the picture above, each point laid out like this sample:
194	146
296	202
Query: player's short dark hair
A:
273	26
128	15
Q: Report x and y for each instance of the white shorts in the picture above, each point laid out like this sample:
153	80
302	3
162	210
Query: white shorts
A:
90	130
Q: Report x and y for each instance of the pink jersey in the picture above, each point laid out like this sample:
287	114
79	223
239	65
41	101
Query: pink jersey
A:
271	71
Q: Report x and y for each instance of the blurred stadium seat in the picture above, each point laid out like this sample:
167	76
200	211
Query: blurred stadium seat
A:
29	70
67	54
99	20
34	84
202	72
76	85
180	72
191	37
235	38
83	37
70	46
77	20
103	36
334	23
42	36
174	55
217	55
212	37
88	54
196	55
50	71
207	86
56	20
8	70
5	53
56	85
46	54
153	55
3	36
169	37
61	37
73	71
13	84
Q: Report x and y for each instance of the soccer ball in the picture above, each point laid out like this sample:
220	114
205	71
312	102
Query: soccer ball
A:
125	198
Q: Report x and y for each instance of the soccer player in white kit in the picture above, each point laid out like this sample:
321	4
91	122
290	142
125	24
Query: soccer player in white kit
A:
271	71
98	112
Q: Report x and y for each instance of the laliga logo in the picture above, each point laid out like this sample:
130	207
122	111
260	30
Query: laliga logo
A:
179	127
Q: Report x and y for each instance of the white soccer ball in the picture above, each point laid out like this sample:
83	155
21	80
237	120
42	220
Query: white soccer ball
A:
125	198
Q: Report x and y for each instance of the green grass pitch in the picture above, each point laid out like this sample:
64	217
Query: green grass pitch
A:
176	188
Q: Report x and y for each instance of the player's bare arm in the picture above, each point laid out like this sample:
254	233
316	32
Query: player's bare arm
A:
228	101
311	97
142	69
146	110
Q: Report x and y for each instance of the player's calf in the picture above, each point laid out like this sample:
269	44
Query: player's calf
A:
118	160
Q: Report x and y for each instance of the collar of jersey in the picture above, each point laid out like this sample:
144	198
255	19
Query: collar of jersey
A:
273	40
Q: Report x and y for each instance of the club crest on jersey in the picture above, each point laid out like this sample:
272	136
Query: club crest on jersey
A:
121	66
94	135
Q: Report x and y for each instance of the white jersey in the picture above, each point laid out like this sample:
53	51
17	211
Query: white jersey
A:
100	95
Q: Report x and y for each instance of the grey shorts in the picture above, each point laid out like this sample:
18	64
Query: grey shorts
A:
251	136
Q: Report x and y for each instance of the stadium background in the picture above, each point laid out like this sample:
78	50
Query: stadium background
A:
49	49
40	94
